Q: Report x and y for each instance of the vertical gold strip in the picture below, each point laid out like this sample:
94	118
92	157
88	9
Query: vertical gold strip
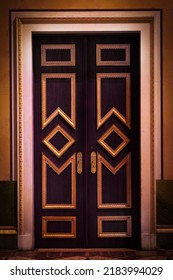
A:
20	126
128	100
73	100
98	83
153	194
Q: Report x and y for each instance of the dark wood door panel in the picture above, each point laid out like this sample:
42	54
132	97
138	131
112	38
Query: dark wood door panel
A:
113	133
58	138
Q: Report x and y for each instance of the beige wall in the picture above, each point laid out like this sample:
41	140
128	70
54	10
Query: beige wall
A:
166	5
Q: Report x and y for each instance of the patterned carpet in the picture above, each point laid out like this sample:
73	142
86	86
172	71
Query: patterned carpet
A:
88	254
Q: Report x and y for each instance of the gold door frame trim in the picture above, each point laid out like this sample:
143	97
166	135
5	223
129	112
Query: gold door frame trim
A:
23	23
113	152
46	219
70	62
19	54
57	152
102	234
45	162
70	120
101	161
125	119
100	62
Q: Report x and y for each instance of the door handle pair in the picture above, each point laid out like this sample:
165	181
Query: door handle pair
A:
93	162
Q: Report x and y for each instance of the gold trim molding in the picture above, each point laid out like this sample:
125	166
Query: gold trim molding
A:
46	219
125	119
20	123
86	19
103	234
57	152
101	161
8	230
164	228
100	62
45	62
71	161
70	120
113	152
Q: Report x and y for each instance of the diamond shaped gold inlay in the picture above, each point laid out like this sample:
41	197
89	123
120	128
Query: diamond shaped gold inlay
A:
107	147
58	129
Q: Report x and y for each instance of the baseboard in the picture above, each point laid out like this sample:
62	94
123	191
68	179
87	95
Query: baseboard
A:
148	241
25	242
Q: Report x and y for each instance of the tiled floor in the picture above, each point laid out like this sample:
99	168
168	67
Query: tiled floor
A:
88	254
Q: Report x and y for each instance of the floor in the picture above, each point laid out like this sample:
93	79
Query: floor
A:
88	254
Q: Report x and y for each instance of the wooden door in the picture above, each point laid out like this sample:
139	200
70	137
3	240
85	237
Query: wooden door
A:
86	137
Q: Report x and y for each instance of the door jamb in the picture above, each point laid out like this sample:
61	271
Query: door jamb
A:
24	23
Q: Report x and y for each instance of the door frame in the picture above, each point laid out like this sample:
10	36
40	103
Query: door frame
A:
24	23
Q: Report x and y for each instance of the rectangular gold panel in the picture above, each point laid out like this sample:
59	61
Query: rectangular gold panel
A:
70	62
112	62
114	234
71	234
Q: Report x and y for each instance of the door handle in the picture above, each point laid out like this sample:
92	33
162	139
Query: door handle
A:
93	162
79	163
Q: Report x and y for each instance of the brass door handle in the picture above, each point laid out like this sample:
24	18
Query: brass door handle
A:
93	162
79	163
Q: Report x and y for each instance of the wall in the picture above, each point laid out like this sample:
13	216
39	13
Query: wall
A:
167	7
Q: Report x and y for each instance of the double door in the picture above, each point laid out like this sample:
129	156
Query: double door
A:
86	140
